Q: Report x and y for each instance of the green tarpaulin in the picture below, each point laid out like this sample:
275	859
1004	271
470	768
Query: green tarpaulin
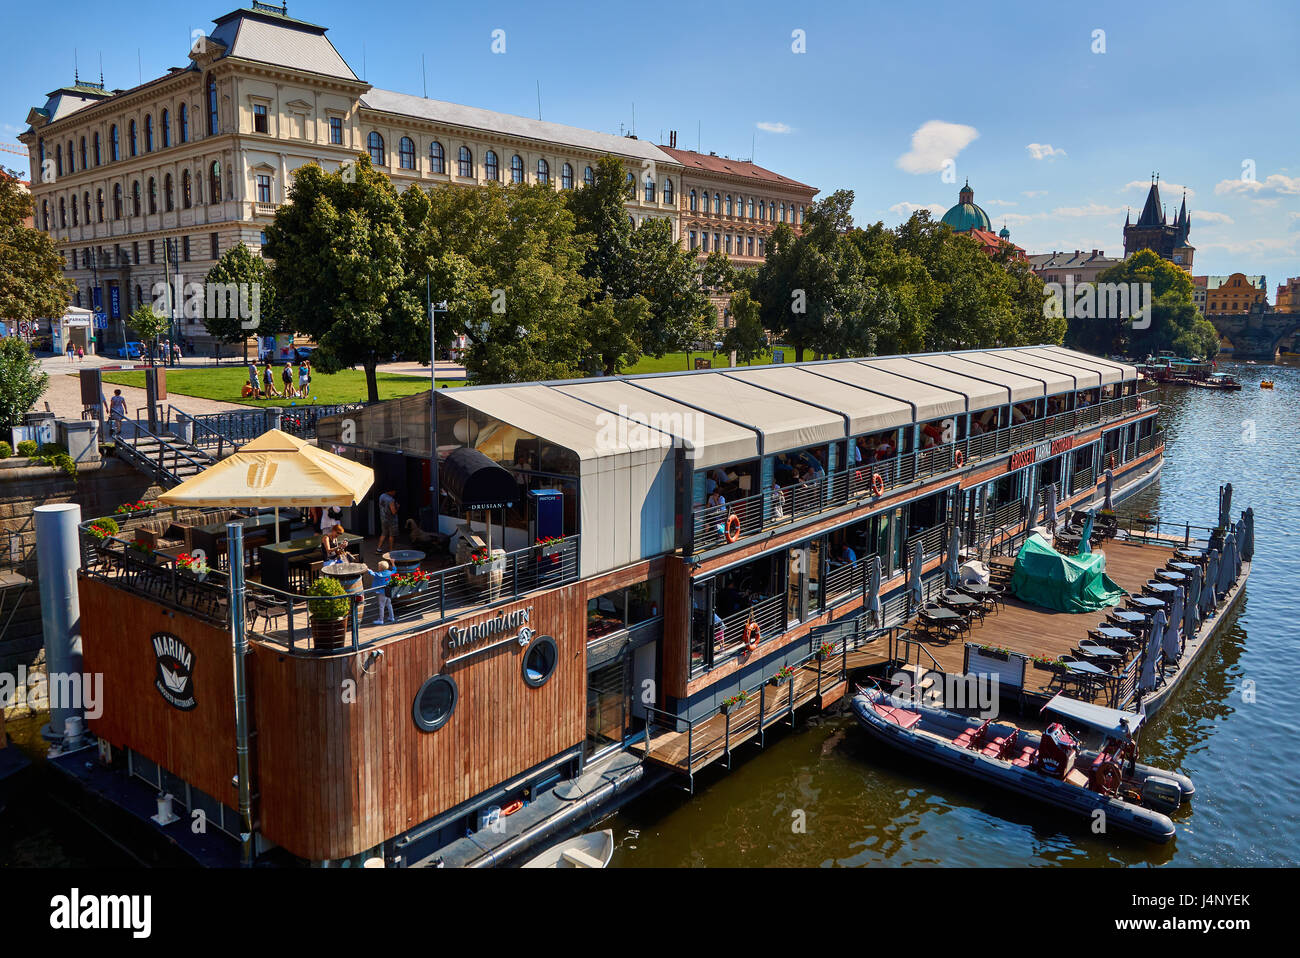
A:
1042	576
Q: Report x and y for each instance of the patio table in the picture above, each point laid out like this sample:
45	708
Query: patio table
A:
1146	602
1168	575
1186	567
1162	588
278	557
1100	651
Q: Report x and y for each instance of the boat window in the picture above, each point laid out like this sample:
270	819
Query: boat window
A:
540	660
624	608
435	702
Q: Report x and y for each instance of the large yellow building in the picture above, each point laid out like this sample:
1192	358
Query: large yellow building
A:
1235	293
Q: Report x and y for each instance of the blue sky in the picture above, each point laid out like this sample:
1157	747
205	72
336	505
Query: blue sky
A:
1057	139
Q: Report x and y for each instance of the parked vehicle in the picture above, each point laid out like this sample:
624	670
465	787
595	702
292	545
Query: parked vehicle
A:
302	352
130	351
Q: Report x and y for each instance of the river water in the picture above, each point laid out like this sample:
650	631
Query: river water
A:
862	804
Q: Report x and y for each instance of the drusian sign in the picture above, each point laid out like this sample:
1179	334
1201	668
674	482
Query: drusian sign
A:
174	667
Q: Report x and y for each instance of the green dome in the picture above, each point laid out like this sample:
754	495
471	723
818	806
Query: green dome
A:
966	215
1004	233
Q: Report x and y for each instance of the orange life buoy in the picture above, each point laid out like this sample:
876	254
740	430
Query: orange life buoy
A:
1107	778
511	808
733	527
752	636
959	458
877	484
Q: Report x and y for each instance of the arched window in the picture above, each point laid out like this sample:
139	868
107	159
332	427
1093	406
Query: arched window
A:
566	177
631	221
148	132
85	205
704	244
130	144
750	244
63	212
492	166
97	153
99	205
45	215
214	182
649	190
187	192
543	172
74	211
516	169
751	207
783	213
114	151
214	119
58	161
169	202
630	187
730	208
153	195
717	208
771	211
728	244
184	126
84	164
437	158
692	201
668	190
375	144
464	162
588	176
117	201
406	153
71	161
760	246
135	198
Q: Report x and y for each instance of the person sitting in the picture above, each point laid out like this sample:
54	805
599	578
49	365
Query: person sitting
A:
885	450
847	555
717	504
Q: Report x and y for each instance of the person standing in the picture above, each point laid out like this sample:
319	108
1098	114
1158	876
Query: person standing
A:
286	377
380	580
268	377
81	354
252	378
116	412
69	351
387	520
304	377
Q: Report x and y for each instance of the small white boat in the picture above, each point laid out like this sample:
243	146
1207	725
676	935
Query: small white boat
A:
1049	767
592	850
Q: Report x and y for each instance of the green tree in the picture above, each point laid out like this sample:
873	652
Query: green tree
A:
22	381
341	268
746	338
149	324
32	284
239	267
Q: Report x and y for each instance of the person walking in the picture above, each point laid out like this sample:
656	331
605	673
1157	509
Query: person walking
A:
286	377
116	413
268	379
69	351
387	520
81	354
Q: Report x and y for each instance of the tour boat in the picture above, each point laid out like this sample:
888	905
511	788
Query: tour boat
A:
592	850
1219	381
1049	766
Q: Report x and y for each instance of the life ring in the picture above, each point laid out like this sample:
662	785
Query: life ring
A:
877	484
1107	778
733	527
959	458
511	808
752	636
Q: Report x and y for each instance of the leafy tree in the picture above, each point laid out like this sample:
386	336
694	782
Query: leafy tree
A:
341	268
32	284
900	274
22	381
149	324
240	266
746	338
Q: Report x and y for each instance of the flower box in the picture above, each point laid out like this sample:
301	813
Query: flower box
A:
497	565
1002	655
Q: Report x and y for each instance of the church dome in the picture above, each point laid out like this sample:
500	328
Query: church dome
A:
1004	232
966	216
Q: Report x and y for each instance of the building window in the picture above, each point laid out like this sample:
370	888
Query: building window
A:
97	154
728	244
406	153
717	241
717	203
730	208
153	195
214	182
117	201
84	164
704	239
668	191
543	172
437	158
375	144
113	153
263	187
153	253
540	661
336	130
751	207
185	249
85	204
58	161
516	169
492	166
130	138
215	245
760	246
214	120
566	177
771	211
260	122
750	245
694	240
184	122
63	212
99	205
45	215
135	252
435	703
692	201
187	192
71	161
465	162
148	132
649	190
169	203
588	176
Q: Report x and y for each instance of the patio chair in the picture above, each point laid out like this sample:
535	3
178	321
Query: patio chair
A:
266	607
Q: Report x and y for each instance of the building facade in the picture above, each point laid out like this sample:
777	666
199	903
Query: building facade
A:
1235	293
1080	266
147	187
1288	296
1153	231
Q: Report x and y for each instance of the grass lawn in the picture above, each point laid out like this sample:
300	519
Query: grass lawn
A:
225	383
678	362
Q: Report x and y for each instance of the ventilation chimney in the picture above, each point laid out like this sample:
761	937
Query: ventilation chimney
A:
672	138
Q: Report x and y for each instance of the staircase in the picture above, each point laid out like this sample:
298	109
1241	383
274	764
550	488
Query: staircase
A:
1000	569
169	461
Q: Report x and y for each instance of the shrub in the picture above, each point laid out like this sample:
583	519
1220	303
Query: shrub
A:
6	450
103	528
334	606
28	447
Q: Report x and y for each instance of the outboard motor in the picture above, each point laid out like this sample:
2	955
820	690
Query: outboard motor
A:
1161	794
1056	751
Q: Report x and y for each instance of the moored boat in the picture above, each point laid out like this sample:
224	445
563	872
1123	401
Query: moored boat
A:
592	850
1049	767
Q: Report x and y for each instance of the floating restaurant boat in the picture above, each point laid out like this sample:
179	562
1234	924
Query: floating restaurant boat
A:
1049	767
642	574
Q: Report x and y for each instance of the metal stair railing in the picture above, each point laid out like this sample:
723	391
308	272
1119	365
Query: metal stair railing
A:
205	436
166	445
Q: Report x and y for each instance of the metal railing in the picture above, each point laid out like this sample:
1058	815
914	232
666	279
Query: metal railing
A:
301	421
237	426
167	458
203	436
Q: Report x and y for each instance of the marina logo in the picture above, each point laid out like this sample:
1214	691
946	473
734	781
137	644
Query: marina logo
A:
78	912
631	429
175	670
503	624
1128	301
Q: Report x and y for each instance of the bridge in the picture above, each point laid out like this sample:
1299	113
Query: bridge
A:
1257	334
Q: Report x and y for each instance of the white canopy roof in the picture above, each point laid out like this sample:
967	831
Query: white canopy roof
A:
867	412
1059	378
928	401
1099	717
979	395
1019	388
1109	373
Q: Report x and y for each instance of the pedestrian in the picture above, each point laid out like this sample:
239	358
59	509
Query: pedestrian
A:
69	351
81	354
268	378
387	520
286	376
380	581
116	412
252	378
304	377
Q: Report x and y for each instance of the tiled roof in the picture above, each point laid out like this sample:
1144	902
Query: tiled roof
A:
475	118
710	163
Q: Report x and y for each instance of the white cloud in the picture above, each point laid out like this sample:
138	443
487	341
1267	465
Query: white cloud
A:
1168	189
934	143
1044	151
1001	203
1092	209
1208	217
1259	246
1020	219
905	210
768	127
1272	186
1033	193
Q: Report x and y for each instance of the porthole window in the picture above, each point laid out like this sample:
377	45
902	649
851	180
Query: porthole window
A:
435	702
540	661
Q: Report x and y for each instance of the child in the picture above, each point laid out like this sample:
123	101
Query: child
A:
380	581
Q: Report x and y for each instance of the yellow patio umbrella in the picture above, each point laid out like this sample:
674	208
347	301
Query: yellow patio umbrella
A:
275	469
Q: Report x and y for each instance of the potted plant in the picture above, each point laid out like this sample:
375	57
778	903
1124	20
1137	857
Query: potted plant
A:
550	545
97	532
483	562
328	614
782	675
1045	663
825	651
128	508
408	583
196	566
994	652
734	702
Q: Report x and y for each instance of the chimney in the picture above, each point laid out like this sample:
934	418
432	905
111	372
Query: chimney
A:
672	138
